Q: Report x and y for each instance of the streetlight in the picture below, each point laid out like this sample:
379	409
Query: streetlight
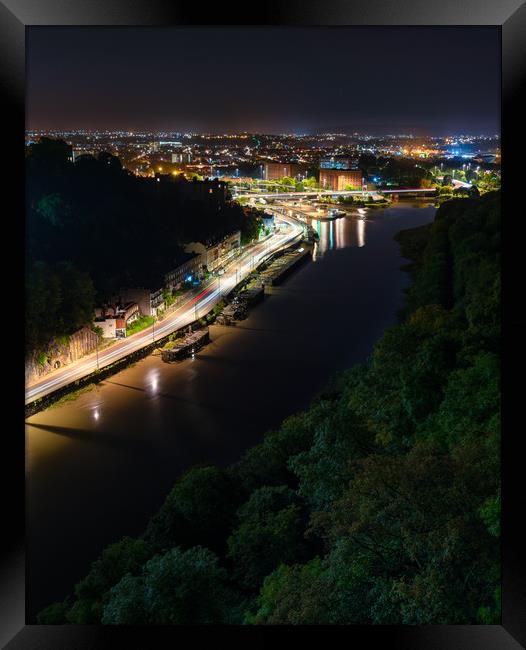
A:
153	329
97	351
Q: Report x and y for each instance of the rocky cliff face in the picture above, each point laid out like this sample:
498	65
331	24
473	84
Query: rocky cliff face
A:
60	353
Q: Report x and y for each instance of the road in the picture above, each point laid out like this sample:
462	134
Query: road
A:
197	306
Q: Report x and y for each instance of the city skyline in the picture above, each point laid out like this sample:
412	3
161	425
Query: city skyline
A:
425	81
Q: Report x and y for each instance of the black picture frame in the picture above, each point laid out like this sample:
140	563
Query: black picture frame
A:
510	15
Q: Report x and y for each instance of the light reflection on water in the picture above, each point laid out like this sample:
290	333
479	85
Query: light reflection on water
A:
344	232
152	381
360	232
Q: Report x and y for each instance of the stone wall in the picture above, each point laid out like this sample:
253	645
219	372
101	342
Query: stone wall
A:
61	353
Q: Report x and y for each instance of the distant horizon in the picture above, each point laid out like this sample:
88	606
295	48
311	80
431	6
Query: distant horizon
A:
355	134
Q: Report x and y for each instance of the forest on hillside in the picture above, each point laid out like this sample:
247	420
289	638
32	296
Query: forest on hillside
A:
93	227
379	504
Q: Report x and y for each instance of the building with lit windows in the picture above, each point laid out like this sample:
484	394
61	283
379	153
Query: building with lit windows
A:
189	268
337	180
182	157
338	162
276	171
217	254
339	173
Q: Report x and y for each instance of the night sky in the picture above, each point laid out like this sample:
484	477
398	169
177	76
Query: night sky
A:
429	81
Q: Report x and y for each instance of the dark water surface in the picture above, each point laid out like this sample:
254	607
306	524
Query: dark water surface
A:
99	467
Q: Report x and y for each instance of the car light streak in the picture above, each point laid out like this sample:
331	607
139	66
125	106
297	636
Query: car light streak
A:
183	315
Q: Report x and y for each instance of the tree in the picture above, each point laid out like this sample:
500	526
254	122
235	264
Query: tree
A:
177	588
126	604
489	182
294	595
54	614
426	183
267	463
200	509
117	560
428	543
325	469
78	297
52	208
43	301
49	156
110	160
311	182
269	532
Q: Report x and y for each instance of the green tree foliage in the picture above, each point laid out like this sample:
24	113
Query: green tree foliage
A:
117	560
267	463
52	208
252	225
126	604
324	469
54	614
294	595
269	532
177	588
489	182
311	183
59	300
200	509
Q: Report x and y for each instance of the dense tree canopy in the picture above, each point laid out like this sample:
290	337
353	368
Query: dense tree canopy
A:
175	588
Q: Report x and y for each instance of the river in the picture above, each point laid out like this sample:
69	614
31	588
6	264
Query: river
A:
98	467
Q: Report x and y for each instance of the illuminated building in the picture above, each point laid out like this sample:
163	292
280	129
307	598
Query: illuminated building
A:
339	172
275	171
217	254
338	162
181	157
189	268
336	179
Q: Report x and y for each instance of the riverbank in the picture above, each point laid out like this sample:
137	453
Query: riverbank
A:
100	466
76	388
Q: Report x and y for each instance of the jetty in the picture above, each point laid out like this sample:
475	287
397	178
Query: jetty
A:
188	346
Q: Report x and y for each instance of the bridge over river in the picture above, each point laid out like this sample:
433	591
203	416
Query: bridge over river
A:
426	191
